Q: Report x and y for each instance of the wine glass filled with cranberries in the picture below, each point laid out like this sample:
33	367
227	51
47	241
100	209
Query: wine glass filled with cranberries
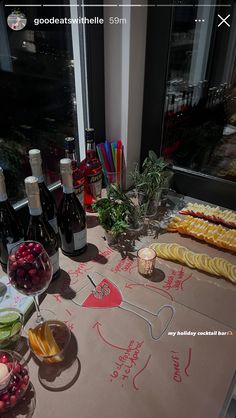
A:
30	271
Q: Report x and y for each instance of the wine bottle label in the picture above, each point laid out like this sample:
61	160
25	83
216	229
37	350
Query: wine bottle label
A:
80	239
55	262
53	223
79	192
80	197
95	183
10	245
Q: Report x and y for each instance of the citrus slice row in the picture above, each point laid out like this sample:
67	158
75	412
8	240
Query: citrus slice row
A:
212	265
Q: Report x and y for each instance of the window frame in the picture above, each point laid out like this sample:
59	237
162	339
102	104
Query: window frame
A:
192	183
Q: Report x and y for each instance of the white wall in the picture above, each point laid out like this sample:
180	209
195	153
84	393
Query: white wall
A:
124	46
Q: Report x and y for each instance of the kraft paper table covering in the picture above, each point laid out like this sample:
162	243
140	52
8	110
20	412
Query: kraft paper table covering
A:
205	365
205	293
154	392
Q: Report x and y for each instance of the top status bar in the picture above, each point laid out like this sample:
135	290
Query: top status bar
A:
120	5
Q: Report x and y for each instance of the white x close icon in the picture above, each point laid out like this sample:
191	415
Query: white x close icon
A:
223	20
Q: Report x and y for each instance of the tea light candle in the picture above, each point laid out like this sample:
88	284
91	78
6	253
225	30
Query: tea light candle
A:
4	375
146	261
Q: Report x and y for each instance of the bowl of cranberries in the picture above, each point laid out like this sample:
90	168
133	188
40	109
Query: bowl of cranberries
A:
29	268
14	379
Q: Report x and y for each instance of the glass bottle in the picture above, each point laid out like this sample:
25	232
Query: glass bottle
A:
47	201
93	170
77	173
11	231
71	215
39	228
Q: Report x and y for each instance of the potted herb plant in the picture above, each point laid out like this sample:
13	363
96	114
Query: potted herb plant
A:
112	217
117	213
154	176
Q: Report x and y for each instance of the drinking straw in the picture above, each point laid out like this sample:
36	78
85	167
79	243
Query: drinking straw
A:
102	162
102	148
123	167
109	155
119	161
113	148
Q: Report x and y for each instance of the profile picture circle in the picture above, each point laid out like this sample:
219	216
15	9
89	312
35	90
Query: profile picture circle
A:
16	21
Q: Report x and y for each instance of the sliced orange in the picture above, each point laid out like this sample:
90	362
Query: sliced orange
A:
50	344
34	342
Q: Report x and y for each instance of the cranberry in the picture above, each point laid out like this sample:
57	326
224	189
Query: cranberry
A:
20	273
31	246
22	248
24	253
27	285
18	255
14	266
16	379
32	272
17	368
21	262
20	282
19	393
30	258
2	406
12	258
13	389
35	280
12	274
4	359
24	372
38	248
6	397
13	400
7	404
26	379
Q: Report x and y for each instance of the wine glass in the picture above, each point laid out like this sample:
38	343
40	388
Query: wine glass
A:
30	271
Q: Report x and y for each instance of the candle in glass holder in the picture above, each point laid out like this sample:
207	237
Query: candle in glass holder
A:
146	261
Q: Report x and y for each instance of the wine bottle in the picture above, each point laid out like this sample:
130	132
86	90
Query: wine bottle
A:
93	171
71	215
47	201
77	173
39	228
11	231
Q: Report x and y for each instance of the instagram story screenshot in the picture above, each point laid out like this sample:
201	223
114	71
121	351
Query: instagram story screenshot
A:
118	208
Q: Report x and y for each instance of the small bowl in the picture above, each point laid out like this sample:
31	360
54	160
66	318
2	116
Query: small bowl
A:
61	335
10	330
15	382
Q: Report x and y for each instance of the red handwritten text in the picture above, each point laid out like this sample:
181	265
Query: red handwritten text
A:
126	363
177	372
175	280
125	265
103	254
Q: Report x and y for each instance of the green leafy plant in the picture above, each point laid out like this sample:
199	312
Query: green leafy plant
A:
112	214
153	177
117	212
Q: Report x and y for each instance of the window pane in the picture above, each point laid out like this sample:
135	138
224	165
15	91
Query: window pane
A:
37	95
200	114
